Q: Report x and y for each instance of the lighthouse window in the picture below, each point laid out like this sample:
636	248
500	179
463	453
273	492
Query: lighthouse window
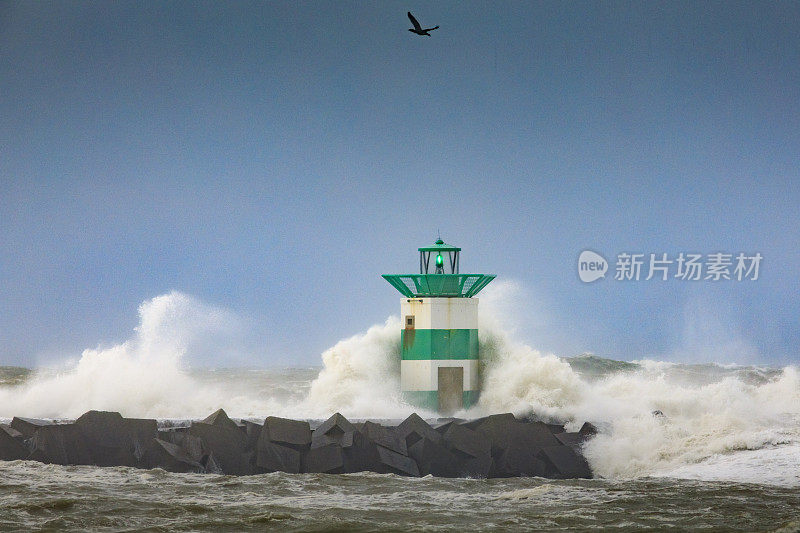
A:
409	321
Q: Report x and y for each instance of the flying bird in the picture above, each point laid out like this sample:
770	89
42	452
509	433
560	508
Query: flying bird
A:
417	28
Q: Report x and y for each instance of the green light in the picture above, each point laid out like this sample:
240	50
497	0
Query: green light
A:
439	260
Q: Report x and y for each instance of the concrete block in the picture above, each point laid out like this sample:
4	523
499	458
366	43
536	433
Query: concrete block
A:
170	457
291	432
517	460
384	436
219	418
588	430
572	438
396	463
433	459
414	428
11	446
465	441
195	447
28	426
361	454
442	428
336	430
477	467
491	420
328	459
226	441
502	430
535	434
13	432
335	426
272	457
575	439
253	432
113	440
62	444
564	463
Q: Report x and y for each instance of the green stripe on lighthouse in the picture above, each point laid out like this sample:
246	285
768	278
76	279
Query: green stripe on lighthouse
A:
430	399
439	343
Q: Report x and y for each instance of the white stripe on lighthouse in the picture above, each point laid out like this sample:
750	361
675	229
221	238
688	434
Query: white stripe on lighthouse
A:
441	313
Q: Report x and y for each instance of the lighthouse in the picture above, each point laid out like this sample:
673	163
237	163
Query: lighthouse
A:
439	339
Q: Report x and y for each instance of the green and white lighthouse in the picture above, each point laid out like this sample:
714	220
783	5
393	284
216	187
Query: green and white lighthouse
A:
439	367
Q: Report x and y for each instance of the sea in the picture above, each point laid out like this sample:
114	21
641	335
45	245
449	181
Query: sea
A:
681	446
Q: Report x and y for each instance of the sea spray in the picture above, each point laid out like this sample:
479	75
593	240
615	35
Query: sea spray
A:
142	377
360	377
699	422
705	411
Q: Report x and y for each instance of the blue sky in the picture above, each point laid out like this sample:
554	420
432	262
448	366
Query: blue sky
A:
274	159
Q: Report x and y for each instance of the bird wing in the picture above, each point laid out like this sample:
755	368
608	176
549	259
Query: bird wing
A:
429	29
414	22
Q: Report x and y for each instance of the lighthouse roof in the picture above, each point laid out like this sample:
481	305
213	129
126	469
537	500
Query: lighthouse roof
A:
440	246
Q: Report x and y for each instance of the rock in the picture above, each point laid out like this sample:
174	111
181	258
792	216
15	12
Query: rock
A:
414	428
385	437
227	442
113	440
327	459
62	444
396	463
564	463
170	457
290	432
28	426
433	459
11	446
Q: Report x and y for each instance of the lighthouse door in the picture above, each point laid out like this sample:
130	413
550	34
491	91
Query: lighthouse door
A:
451	387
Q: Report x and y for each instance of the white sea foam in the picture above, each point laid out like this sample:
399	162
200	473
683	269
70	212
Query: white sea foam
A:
720	422
143	376
360	377
705	419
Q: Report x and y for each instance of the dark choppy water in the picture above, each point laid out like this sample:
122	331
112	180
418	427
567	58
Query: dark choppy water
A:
46	497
